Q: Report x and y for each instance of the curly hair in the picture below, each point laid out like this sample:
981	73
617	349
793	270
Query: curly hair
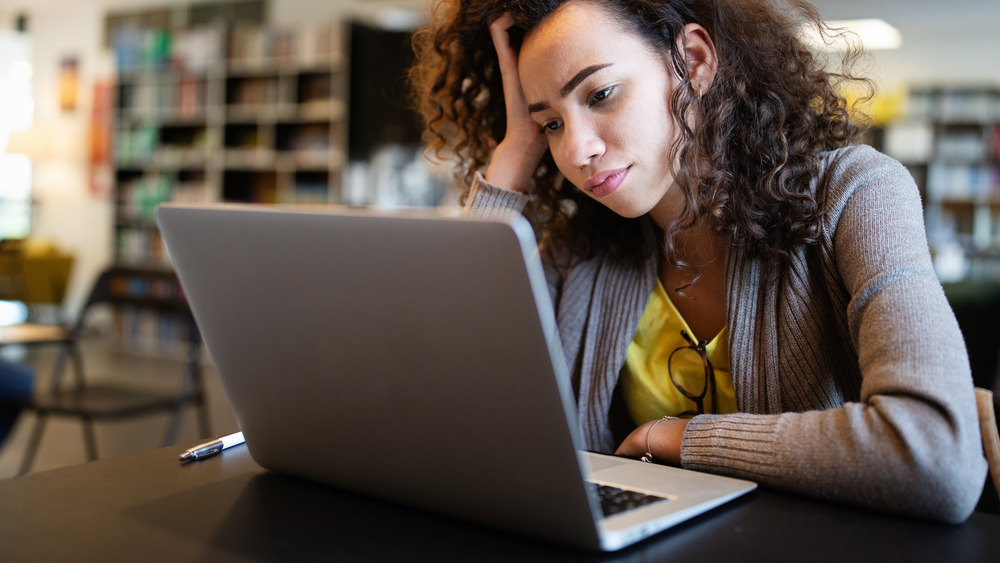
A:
747	147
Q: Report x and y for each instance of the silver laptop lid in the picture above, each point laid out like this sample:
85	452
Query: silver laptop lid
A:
409	357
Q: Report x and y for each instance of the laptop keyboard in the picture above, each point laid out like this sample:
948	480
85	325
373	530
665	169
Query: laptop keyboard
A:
615	500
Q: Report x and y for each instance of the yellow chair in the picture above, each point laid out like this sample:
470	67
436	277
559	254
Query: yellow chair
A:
33	273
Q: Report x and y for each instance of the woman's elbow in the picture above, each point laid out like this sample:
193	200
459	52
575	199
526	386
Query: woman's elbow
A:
949	491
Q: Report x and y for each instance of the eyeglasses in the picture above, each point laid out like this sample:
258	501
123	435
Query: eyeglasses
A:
697	398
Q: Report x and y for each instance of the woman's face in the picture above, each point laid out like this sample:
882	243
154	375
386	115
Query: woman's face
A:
601	96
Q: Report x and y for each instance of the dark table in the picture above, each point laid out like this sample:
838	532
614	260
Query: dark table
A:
148	507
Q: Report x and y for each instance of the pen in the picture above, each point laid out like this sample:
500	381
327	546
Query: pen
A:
209	449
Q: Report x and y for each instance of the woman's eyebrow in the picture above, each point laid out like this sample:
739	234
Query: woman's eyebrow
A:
570	86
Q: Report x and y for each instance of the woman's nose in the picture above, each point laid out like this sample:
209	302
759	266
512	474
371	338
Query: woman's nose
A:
582	144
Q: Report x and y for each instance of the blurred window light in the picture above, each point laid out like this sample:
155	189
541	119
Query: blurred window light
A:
15	196
21	71
16	182
17	110
873	34
12	313
17	107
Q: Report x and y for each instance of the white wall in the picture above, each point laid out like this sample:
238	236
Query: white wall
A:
69	213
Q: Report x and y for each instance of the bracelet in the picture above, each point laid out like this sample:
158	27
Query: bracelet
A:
648	458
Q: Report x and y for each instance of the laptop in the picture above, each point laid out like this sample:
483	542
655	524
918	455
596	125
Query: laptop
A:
414	357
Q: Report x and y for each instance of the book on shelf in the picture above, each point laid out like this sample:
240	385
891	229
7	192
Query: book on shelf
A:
136	48
139	245
973	182
138	199
972	105
198	49
163	96
195	49
192	96
136	145
146	331
954	104
963	145
259	45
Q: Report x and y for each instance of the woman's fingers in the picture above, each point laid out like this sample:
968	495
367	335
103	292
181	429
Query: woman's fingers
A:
517	107
519	152
501	42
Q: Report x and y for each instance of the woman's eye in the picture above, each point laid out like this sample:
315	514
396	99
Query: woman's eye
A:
551	126
601	95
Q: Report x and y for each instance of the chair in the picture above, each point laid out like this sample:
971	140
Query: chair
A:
155	291
988	406
11	280
36	275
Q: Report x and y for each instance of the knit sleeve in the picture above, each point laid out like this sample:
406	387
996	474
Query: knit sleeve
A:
486	200
908	441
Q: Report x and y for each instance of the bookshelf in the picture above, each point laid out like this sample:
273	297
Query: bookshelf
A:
242	113
149	312
949	139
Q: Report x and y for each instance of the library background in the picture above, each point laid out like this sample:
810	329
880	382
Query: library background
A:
113	107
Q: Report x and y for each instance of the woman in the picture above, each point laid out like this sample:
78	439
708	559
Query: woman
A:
738	287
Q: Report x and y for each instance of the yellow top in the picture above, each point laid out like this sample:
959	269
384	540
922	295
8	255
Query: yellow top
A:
646	385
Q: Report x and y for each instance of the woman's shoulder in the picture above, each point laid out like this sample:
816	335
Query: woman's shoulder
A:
846	171
860	163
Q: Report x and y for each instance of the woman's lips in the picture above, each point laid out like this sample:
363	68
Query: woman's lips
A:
605	182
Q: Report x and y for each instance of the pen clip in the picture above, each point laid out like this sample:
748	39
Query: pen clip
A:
214	450
195	454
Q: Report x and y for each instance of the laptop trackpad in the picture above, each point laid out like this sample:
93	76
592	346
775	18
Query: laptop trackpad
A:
601	462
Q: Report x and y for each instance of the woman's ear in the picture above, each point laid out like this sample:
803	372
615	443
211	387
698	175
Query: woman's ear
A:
699	55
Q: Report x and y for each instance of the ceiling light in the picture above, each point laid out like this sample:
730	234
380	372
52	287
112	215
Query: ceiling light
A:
872	33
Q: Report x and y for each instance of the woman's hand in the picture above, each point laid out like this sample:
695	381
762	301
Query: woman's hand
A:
516	157
664	441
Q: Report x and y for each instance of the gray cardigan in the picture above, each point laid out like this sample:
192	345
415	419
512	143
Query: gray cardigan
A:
863	397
